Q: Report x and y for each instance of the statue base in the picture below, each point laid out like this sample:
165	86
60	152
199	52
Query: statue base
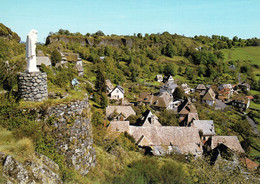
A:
32	86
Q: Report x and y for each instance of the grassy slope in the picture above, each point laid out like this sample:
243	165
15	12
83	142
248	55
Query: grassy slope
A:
245	53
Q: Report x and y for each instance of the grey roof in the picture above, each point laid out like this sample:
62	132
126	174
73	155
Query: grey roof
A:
200	87
186	139
43	60
119	126
150	119
125	110
120	89
207	126
230	141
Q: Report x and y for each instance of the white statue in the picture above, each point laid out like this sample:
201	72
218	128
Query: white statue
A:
30	51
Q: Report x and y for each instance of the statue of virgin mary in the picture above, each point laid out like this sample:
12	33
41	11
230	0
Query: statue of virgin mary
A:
30	51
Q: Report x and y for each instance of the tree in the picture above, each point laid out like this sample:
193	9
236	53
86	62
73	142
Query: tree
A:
103	100
170	69
170	50
100	84
55	57
178	93
99	33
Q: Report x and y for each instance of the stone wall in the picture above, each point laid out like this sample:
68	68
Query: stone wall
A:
73	133
32	86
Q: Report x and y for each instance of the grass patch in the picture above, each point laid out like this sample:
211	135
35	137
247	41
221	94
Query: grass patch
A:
254	105
19	149
244	53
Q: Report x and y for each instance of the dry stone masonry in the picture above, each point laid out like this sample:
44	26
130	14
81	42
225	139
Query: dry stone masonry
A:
74	134
32	86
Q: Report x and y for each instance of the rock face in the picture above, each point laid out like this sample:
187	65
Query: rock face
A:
32	86
74	135
83	41
38	169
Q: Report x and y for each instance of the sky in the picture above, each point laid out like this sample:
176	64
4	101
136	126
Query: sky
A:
125	17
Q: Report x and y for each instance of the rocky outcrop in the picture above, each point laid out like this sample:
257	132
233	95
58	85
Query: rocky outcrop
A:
74	134
6	32
90	41
32	86
37	169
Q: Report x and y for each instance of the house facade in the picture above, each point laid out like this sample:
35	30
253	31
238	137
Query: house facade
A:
241	102
209	97
117	93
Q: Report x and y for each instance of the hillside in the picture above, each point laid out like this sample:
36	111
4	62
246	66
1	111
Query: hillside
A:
70	127
8	33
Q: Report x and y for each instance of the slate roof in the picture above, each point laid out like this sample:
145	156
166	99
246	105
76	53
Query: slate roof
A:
109	85
161	101
210	95
43	60
119	126
200	87
231	142
187	107
120	89
241	99
125	110
222	86
207	127
150	119
186	139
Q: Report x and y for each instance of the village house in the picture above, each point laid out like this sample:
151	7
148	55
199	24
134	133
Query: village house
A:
149	119
205	128
209	97
109	86
222	146
200	88
168	78
117	93
199	138
224	94
159	78
168	87
162	139
244	84
163	101
249	164
241	102
43	60
119	113
187	113
185	88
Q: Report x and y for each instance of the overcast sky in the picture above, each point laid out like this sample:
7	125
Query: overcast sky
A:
125	17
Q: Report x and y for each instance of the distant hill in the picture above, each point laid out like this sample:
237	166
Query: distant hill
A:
8	33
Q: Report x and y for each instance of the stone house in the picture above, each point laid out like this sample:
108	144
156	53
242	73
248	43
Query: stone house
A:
241	102
159	78
162	139
224	94
149	119
168	78
244	84
200	88
187	113
209	97
164	101
117	93
79	68
109	86
43	60
185	88
168	87
222	146
205	128
119	113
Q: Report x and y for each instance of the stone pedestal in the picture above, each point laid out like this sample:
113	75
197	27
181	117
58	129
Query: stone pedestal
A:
32	86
